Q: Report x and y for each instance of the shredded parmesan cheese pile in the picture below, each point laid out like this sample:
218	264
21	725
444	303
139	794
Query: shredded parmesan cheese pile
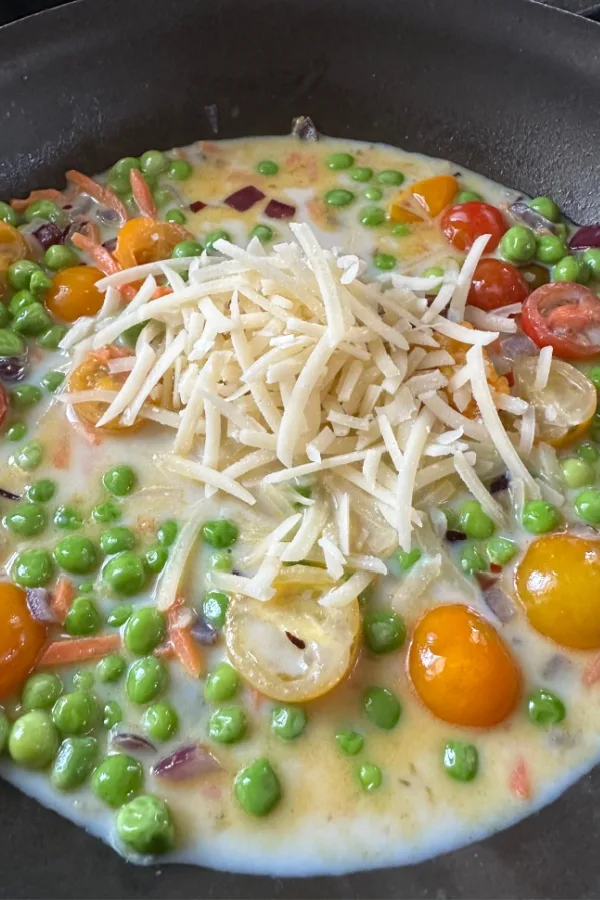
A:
278	368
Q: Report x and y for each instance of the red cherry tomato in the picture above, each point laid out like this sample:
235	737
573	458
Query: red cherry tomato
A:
496	283
464	223
564	316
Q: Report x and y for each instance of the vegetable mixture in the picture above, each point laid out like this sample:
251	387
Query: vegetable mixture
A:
299	504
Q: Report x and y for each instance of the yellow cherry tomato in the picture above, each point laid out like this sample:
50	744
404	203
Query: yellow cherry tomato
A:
13	246
74	293
462	669
565	407
21	638
431	194
557	583
93	373
292	649
143	240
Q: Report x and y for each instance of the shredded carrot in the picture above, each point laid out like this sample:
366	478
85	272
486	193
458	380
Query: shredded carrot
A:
142	194
162	291
591	673
519	780
165	650
110	351
104	259
62	455
91	231
89	434
63	653
187	651
62	598
48	194
99	192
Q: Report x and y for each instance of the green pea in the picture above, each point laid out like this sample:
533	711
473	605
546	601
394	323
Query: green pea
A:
545	709
577	472
257	788
500	551
68	518
75	713
32	319
591	258
19	301
305	490
214	608
588	451
390	176
369	776
471	559
74	763
117	779
156	557
76	554
384	261
16	431
41	491
288	722
112	714
120	480
461	760
153	162
30	456
83	680
383	630
117	539
382	707
594	375
227	725
546	207
339	197
339	161
41	691
187	248
518	244
33	740
550	249
372	216
267	167
11	344
8	215
39	282
361	173
144	631
26	519
110	668
106	512
4	729
451	518
130	335
52	381
125	573
145	826
406	560
401	230
4	315
539	516
83	617
45	209
263	232
220	533
25	395
221	684
373	193
587	506
180	170
51	338
160	721
570	269
433	272
119	615
216	235
146	679
122	168
167	532
176	216
59	257
475	522
468	197
349	742
33	568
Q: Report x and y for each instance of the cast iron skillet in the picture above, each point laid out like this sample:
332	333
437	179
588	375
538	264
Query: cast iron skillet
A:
506	87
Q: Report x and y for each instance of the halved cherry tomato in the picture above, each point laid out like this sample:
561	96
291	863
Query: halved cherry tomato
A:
464	223
13	246
564	316
21	638
74	293
496	283
461	668
93	373
143	240
434	194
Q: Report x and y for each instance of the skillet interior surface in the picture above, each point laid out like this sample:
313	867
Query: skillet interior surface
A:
505	87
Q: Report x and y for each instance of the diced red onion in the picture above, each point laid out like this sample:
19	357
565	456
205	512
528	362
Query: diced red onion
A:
245	198
303	128
586	237
13	368
38	601
499	484
108	216
518	345
556	665
527	216
204	633
110	245
127	740
196	206
278	210
49	235
500	603
452	535
187	762
9	495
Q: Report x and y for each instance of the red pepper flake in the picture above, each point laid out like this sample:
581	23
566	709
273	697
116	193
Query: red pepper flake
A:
510	378
245	198
519	780
278	210
196	206
494	567
591	673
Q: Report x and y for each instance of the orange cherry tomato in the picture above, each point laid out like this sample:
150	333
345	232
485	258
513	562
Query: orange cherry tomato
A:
557	583
564	316
21	638
461	668
143	240
434	194
496	283
464	223
93	373
74	293
13	246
